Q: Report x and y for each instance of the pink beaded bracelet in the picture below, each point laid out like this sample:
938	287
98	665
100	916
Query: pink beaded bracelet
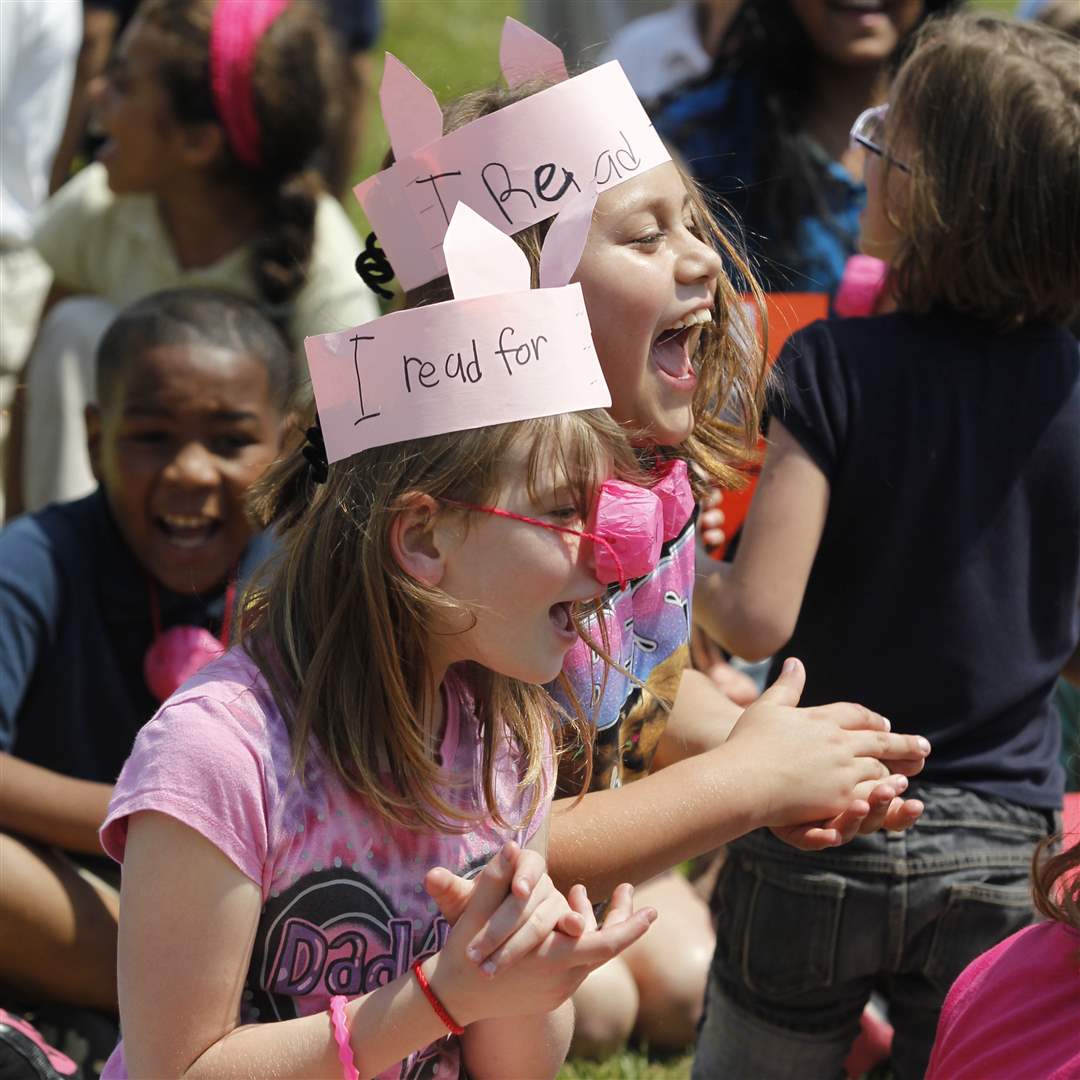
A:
341	1037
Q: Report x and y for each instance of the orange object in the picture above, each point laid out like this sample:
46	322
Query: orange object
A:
786	313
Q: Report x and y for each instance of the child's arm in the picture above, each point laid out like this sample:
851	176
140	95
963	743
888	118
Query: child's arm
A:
781	766
750	606
188	922
535	1045
52	808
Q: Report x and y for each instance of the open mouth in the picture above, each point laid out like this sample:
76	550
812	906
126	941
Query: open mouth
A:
858	7
188	530
674	348
563	620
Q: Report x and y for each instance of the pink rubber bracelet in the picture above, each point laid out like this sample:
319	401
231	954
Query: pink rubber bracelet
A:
341	1037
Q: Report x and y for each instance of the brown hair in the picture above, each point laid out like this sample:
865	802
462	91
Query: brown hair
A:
1056	883
340	630
293	83
986	113
732	374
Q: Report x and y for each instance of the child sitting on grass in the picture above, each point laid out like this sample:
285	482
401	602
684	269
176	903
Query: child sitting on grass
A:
191	390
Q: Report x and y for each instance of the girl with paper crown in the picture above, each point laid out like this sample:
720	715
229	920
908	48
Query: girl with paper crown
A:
662	287
299	822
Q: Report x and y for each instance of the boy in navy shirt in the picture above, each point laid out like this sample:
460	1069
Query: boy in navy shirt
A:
191	387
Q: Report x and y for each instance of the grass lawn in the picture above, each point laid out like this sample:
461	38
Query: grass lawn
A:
453	45
628	1065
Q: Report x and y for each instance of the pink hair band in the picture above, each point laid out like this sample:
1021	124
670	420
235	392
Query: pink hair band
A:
236	28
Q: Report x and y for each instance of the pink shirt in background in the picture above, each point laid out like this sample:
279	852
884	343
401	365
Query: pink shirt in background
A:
1014	1012
344	907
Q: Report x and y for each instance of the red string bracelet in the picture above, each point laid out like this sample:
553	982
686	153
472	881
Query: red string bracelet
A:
440	1010
341	1037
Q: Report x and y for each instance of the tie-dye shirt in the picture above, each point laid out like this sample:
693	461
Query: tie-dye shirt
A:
344	906
648	633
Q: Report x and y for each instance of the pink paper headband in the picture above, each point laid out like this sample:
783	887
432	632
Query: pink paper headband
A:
515	167
236	28
499	352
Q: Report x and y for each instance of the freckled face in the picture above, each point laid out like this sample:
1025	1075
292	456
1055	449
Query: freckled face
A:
190	429
517	581
649	281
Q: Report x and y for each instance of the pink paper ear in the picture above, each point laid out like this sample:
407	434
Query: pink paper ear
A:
565	240
524	54
630	519
480	259
676	497
409	110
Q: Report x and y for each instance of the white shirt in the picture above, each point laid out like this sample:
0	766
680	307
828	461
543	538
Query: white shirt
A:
39	44
116	246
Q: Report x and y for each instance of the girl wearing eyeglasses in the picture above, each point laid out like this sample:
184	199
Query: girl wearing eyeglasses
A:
915	539
767	127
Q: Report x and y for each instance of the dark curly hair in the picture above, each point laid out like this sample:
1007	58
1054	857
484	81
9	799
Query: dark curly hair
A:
296	70
766	44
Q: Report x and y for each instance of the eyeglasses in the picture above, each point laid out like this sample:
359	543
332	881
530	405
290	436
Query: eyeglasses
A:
866	132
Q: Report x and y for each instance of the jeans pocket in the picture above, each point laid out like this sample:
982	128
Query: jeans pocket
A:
788	938
977	916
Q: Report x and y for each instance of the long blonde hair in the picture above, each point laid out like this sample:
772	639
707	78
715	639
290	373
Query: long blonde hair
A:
731	356
339	630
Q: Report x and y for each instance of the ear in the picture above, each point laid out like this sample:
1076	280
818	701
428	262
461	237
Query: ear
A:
419	540
201	144
410	112
92	416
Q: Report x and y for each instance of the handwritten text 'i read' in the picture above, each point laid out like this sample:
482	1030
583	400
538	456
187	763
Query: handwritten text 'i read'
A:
511	352
550	182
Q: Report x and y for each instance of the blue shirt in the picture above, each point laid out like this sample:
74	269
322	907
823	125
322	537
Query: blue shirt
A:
945	592
75	625
714	126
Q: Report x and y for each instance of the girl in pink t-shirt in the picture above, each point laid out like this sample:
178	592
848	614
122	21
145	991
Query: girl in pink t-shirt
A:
300	822
1015	1010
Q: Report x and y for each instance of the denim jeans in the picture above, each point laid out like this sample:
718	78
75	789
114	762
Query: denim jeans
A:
803	939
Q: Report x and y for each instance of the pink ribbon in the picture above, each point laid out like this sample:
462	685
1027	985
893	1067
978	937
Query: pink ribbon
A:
235	31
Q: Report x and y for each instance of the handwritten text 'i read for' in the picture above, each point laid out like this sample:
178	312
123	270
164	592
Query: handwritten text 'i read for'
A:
550	181
419	374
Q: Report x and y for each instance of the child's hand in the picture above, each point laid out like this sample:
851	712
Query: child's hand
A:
805	765
530	909
875	806
711	519
544	978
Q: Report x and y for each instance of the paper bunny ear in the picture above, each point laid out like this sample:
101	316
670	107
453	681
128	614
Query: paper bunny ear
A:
409	110
565	240
524	54
481	259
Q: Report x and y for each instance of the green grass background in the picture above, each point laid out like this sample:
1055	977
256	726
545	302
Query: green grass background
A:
453	45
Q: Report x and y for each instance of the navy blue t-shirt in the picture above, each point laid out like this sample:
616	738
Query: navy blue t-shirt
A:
75	625
946	587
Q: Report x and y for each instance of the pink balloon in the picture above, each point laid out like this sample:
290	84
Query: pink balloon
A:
631	520
176	655
676	497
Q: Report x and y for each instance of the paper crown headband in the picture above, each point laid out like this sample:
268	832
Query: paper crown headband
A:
514	167
500	351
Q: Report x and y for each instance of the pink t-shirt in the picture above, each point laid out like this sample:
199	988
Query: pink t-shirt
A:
344	907
1014	1012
